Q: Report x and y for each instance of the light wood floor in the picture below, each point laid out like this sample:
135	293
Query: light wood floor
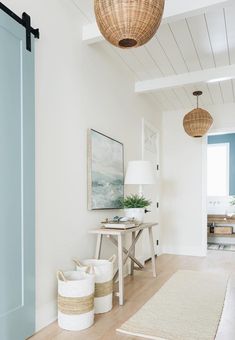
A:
142	286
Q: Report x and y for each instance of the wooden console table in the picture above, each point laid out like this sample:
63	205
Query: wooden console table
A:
129	253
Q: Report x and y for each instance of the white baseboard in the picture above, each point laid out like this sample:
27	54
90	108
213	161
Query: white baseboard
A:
187	251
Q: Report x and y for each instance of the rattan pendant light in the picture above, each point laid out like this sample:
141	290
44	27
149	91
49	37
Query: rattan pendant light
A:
128	23
198	121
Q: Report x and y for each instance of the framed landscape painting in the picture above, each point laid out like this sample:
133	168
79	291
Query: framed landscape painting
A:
105	172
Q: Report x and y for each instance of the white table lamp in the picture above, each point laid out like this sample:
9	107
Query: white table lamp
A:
140	173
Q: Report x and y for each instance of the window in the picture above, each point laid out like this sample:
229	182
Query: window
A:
218	169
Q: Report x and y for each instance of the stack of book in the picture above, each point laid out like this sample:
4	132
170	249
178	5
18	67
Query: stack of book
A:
119	225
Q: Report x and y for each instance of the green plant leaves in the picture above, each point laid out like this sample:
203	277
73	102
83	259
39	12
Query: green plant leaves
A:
135	201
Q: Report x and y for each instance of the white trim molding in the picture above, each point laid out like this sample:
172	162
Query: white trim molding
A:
207	75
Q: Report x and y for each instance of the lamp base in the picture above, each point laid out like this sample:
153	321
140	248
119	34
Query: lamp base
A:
140	190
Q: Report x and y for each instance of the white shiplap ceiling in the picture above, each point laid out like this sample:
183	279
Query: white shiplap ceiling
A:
196	43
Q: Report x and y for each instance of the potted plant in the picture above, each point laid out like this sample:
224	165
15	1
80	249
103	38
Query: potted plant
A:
135	206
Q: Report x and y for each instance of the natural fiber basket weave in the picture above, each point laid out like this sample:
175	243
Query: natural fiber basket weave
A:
197	122
128	23
75	305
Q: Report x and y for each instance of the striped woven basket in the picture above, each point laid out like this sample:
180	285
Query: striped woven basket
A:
76	299
104	285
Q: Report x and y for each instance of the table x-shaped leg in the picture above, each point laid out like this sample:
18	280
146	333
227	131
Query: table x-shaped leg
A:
128	252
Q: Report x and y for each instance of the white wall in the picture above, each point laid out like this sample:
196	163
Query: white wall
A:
184	181
77	87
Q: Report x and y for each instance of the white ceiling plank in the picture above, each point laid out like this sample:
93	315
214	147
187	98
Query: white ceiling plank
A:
160	57
177	10
160	101
184	97
198	29
190	89
227	91
230	25
217	33
86	7
195	43
172	98
171	49
147	61
159	104
128	57
174	11
185	44
206	94
216	93
186	78
128	66
165	100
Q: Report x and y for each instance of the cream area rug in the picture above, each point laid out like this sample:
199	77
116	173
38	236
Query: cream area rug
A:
187	307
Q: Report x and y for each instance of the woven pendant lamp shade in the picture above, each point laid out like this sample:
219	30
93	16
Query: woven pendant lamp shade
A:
198	121
128	23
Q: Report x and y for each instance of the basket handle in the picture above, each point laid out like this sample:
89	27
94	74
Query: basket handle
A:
113	258
90	270
61	276
77	262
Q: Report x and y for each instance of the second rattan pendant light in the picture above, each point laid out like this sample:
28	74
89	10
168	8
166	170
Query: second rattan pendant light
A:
128	23
198	121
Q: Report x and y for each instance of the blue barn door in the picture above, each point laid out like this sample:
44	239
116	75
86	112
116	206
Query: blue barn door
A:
17	202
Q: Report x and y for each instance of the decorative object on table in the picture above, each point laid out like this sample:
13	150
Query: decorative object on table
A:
105	172
76	299
120	223
128	23
135	207
140	173
103	282
120	219
198	121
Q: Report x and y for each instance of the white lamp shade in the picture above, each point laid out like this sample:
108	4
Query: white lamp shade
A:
140	172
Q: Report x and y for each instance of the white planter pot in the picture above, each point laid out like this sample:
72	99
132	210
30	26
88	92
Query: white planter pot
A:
136	213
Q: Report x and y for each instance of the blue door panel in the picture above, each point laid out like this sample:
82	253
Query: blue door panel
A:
17	231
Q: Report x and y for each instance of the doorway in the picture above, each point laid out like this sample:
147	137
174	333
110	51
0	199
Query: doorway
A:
151	152
221	191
